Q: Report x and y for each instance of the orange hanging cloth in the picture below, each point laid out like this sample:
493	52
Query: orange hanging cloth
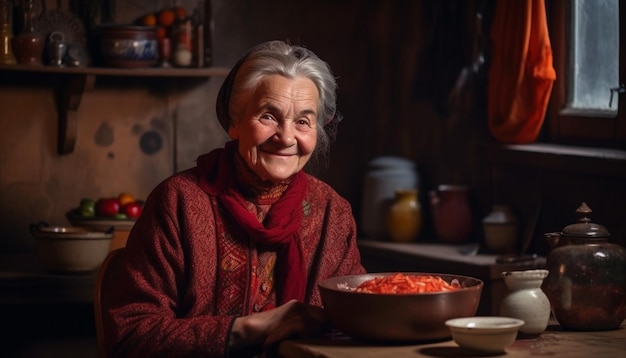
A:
521	73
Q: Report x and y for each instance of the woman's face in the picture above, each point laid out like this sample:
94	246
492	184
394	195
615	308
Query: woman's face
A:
276	126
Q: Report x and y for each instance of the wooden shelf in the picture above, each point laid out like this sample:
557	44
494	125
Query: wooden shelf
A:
557	157
129	72
74	81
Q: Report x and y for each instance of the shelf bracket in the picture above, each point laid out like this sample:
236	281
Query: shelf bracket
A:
69	95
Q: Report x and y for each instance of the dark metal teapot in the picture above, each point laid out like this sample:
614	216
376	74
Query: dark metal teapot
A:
586	283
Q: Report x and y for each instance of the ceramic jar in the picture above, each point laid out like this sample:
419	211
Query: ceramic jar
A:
587	281
451	213
182	38
500	230
29	44
525	300
385	176
404	217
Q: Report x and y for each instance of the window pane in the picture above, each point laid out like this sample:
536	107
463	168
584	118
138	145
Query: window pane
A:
594	58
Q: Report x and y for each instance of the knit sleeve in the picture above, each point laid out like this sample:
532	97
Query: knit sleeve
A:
156	312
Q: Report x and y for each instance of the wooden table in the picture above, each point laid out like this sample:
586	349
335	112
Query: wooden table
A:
45	314
554	342
24	281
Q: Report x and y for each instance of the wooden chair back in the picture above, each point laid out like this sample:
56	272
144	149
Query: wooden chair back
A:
105	282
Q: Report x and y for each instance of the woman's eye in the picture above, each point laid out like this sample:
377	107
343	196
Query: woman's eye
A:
267	117
303	122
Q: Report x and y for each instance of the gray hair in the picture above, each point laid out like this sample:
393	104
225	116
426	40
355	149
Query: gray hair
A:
281	58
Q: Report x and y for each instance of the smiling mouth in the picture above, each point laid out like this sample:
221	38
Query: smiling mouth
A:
277	153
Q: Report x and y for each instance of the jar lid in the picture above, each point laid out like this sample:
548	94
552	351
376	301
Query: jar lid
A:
584	227
388	162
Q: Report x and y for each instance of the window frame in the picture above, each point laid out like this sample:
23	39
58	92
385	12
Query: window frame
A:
577	130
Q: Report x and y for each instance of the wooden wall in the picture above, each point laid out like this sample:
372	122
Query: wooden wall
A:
396	62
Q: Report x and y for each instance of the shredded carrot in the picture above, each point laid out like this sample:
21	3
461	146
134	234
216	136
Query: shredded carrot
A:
401	283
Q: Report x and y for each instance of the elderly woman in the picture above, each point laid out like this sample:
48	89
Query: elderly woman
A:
226	257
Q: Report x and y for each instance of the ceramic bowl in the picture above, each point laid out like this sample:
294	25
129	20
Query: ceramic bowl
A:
128	46
71	249
485	334
397	317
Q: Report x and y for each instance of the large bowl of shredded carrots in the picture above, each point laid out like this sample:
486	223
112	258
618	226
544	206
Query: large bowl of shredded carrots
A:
398	306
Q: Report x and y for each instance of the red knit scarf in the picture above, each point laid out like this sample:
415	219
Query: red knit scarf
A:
280	227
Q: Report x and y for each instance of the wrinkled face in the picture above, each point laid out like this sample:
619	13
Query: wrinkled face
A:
277	129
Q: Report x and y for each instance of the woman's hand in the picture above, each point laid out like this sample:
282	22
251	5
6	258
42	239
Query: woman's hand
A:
264	329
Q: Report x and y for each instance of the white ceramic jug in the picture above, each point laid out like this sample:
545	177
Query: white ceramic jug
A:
385	176
526	300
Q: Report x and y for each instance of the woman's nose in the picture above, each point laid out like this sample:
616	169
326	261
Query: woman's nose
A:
285	134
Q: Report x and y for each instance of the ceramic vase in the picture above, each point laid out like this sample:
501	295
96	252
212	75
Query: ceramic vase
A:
404	217
452	216
526	301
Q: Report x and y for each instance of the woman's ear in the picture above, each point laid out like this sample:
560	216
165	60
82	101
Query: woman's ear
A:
233	131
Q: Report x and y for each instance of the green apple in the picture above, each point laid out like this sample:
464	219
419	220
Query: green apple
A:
87	207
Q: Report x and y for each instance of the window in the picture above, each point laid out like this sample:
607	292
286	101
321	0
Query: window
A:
593	65
588	42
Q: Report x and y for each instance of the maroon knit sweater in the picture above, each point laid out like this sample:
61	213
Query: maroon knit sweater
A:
190	270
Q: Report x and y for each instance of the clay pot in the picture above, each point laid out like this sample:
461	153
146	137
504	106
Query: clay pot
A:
452	217
29	44
28	48
404	218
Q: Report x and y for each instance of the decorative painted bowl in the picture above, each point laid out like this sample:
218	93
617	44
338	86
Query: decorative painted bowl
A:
128	46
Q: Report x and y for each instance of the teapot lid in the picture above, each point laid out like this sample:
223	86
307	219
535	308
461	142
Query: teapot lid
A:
584	227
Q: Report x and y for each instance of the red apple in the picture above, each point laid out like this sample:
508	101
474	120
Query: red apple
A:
107	207
132	210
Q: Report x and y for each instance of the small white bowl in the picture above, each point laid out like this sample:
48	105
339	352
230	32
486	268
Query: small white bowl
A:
485	334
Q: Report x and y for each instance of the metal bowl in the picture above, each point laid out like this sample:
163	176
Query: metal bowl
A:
397	317
71	249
